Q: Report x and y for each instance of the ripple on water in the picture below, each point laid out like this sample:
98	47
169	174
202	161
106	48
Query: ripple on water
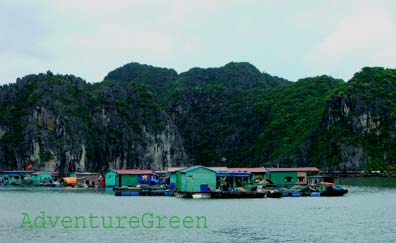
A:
365	214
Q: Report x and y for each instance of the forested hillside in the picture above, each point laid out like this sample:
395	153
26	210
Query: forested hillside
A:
142	116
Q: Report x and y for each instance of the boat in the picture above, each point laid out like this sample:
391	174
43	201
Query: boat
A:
127	191
322	189
201	195
235	194
140	190
182	195
52	184
273	194
330	190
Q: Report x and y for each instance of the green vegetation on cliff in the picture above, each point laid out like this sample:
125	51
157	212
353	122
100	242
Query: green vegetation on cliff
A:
235	115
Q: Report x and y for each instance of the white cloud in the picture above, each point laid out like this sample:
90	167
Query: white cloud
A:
363	37
288	38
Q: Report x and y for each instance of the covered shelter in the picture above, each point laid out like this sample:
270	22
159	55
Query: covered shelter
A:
234	180
258	173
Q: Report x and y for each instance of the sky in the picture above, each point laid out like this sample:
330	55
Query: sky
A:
292	39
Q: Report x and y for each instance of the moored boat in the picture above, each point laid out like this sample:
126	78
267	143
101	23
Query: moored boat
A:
201	195
322	189
234	195
127	191
330	190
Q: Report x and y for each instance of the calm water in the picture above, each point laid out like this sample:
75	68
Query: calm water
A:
365	214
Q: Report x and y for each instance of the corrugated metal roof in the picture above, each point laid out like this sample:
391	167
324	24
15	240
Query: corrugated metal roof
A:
195	167
133	172
253	170
301	169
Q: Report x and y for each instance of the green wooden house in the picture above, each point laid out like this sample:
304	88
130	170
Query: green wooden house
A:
172	172
131	178
40	177
286	177
194	178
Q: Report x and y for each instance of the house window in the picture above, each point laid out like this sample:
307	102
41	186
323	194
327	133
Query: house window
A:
288	179
301	178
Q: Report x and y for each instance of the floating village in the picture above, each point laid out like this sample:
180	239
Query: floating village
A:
189	182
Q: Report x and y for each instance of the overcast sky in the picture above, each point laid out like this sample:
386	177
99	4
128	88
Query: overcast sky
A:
292	39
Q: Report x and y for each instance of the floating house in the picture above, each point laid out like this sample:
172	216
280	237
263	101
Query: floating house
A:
130	178
258	173
173	170
234	180
195	179
87	178
40	177
16	176
286	177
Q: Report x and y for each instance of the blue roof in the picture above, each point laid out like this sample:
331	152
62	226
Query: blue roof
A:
194	168
234	173
13	175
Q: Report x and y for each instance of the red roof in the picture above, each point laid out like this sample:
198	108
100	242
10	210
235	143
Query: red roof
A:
252	170
218	168
302	169
134	172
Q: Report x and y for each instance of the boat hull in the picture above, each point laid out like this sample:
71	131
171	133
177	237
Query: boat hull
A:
234	195
335	193
201	195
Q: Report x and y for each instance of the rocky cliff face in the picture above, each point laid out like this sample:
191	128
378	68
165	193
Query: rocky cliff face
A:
62	123
359	123
146	117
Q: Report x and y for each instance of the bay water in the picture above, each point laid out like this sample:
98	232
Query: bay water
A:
366	214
